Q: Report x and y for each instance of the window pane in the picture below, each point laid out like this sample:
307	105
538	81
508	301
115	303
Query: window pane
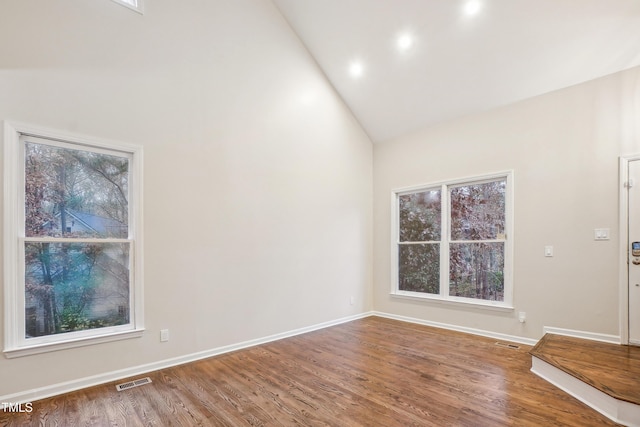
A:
478	211
477	270
72	193
420	216
419	268
75	286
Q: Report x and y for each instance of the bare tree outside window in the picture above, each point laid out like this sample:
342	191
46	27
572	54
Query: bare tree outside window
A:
419	248
76	225
476	259
472	240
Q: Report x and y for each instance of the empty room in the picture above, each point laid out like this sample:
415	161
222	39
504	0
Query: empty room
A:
320	212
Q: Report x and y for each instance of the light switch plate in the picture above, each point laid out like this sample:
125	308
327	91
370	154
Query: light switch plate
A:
601	234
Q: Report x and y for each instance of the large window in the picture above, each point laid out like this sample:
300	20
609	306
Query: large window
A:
72	240
451	241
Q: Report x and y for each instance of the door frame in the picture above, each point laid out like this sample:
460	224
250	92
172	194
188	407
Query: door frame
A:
623	257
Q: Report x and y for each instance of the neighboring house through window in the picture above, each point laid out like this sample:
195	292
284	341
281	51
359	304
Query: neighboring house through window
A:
452	241
72	240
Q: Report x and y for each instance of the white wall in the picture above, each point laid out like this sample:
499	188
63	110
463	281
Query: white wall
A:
258	180
563	148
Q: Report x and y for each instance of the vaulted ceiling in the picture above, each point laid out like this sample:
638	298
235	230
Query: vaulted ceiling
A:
402	65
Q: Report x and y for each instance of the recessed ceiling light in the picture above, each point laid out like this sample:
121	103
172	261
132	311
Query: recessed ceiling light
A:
356	69
472	7
405	41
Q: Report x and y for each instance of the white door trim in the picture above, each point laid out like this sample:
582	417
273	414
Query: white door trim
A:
623	273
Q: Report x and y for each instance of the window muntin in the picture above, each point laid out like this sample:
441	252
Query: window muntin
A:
72	251
451	241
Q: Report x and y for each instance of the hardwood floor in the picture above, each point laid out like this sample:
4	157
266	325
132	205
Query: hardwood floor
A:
613	369
369	372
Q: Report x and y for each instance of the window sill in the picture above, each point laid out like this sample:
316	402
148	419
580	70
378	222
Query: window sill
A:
461	303
11	353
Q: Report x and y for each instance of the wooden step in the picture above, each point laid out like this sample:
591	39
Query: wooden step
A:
605	376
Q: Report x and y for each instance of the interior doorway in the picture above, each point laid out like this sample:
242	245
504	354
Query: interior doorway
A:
630	250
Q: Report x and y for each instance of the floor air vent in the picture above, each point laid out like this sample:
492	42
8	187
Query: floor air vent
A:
134	383
508	345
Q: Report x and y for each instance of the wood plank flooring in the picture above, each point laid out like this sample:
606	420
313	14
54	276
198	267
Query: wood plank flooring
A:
369	372
613	369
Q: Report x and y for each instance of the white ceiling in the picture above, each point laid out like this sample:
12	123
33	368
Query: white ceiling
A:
460	64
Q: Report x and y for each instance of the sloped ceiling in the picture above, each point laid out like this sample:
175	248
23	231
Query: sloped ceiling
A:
459	61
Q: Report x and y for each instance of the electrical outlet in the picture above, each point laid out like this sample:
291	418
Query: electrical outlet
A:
164	335
522	317
352	300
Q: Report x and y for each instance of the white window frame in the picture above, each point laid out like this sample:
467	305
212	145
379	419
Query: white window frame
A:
16	344
445	240
136	5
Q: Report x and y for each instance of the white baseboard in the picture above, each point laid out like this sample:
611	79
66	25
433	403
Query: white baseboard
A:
69	386
594	336
473	331
619	411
